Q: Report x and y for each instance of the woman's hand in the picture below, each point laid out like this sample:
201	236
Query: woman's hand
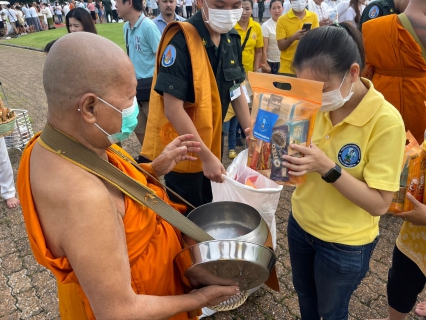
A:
313	160
265	68
417	216
175	152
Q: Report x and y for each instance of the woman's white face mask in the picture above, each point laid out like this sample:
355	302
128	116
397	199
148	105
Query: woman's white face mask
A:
221	20
333	100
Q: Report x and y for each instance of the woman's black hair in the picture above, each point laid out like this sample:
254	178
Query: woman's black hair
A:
251	3
49	46
355	4
272	1
330	50
84	17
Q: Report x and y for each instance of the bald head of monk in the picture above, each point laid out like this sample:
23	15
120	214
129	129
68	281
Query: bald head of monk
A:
80	68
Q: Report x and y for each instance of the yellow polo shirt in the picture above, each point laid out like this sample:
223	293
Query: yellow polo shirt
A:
254	41
369	145
287	25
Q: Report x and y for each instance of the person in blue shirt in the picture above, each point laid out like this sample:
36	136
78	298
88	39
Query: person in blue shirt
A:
142	37
167	14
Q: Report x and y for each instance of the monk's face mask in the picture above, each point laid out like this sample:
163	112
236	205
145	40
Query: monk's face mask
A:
129	121
333	100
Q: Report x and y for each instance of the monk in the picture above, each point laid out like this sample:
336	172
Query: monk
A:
395	64
112	257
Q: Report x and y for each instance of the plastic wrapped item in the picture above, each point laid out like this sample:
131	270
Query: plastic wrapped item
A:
412	177
284	110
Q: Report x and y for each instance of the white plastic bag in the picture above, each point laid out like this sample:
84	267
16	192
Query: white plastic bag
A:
264	198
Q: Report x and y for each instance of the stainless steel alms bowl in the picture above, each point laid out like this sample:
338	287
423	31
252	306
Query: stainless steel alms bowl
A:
225	262
230	220
237	256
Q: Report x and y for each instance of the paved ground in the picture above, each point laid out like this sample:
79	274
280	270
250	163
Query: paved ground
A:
28	291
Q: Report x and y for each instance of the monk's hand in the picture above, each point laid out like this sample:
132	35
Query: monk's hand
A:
417	216
176	151
313	160
214	295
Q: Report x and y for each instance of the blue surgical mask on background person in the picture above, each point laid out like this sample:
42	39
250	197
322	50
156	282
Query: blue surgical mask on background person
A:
129	120
298	5
333	100
222	21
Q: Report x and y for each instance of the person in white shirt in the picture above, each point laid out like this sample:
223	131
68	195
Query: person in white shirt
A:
66	9
179	9
320	8
28	20
271	52
154	7
286	6
7	186
34	17
58	12
13	20
354	12
49	17
114	11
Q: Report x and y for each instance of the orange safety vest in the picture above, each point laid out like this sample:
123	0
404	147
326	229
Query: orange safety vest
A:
152	244
205	112
395	65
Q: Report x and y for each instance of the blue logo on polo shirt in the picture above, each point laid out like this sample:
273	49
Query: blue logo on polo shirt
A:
349	155
169	56
374	12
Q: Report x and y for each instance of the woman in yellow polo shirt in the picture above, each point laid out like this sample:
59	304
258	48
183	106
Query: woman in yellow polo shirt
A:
352	168
251	45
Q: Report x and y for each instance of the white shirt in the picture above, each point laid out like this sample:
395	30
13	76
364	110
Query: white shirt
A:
11	14
113	2
154	4
350	15
58	10
342	8
66	9
320	10
287	6
26	11
33	12
179	3
47	12
269	31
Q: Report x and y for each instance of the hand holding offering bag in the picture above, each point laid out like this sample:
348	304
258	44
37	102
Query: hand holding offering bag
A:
283	114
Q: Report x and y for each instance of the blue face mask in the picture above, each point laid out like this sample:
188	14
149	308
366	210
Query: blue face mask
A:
129	121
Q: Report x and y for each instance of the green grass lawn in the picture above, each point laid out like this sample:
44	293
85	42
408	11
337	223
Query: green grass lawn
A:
111	31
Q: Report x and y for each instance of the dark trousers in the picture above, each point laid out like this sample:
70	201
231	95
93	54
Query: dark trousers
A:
325	274
261	7
115	15
405	282
108	15
275	66
193	187
188	11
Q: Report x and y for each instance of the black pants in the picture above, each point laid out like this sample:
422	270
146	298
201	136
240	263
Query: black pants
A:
108	15
261	7
188	11
193	187
405	282
154	12
114	15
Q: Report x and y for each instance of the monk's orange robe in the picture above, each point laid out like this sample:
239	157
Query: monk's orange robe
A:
152	244
397	69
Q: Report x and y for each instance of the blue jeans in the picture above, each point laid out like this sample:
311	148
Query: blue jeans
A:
325	274
230	128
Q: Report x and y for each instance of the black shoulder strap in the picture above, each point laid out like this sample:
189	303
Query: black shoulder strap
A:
127	41
127	36
246	39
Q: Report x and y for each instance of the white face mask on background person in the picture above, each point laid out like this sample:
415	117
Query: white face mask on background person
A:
333	100
222	21
298	5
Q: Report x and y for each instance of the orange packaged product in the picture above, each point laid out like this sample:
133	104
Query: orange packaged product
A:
412	176
280	116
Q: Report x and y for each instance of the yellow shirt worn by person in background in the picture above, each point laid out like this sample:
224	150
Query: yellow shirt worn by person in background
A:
369	145
254	41
287	25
